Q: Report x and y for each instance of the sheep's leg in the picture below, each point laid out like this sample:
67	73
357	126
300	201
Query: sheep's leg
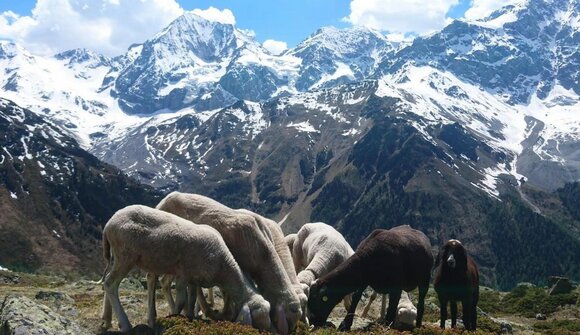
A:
475	299
347	322
421	304
166	281
383	305
474	316
453	307
191	300
466	304
107	312
180	295
151	310
443	314
111	286
394	297
368	306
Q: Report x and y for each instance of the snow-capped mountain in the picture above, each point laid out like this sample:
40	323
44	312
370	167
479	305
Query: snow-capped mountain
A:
334	56
55	196
511	79
463	133
518	52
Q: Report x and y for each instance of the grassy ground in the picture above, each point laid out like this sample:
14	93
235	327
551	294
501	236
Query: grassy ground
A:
518	307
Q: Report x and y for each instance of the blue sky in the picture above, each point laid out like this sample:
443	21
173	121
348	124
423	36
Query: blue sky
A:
289	21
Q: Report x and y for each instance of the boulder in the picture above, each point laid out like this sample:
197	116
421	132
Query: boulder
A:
560	285
20	315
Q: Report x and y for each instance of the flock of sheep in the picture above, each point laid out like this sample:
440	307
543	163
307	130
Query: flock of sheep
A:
270	281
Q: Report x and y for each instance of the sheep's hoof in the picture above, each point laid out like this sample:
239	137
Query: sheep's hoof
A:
344	327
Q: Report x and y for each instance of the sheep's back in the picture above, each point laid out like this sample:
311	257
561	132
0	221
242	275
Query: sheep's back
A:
398	257
160	242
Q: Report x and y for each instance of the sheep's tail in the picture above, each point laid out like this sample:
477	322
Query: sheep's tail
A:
108	258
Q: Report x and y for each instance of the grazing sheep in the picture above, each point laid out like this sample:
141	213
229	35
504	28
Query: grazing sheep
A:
162	243
249	240
285	256
318	248
457	279
387	260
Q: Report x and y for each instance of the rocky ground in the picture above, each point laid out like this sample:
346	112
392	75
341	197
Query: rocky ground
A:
39	304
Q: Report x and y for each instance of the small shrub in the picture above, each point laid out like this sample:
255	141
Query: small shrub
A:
530	300
563	327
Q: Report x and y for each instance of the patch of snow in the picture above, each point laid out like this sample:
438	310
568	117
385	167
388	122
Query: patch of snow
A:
304	127
351	132
13	195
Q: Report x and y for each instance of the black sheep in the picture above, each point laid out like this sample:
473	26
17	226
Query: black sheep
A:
389	261
457	279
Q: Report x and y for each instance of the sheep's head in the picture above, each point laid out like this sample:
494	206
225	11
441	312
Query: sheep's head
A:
321	301
286	313
453	256
406	317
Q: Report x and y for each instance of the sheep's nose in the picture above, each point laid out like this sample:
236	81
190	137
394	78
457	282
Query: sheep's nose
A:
451	261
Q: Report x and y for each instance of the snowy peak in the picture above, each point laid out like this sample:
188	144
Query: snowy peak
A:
10	50
83	57
518	52
333	56
347	42
190	33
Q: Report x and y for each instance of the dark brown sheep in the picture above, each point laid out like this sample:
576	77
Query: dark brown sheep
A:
389	261
457	279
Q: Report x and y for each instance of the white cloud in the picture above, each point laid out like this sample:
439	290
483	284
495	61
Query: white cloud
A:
275	47
213	14
400	16
106	26
482	8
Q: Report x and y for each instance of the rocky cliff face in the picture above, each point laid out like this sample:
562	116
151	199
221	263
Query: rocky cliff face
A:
55	196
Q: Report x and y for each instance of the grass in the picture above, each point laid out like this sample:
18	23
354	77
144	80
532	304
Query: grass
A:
560	327
518	307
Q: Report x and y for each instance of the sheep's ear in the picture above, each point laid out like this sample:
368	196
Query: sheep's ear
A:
281	322
245	317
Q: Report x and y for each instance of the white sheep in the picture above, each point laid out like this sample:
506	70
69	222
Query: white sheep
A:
317	249
406	313
250	241
162	243
285	256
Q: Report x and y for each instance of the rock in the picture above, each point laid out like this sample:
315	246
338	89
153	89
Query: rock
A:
540	316
62	302
506	328
9	278
53	296
21	315
131	283
560	285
